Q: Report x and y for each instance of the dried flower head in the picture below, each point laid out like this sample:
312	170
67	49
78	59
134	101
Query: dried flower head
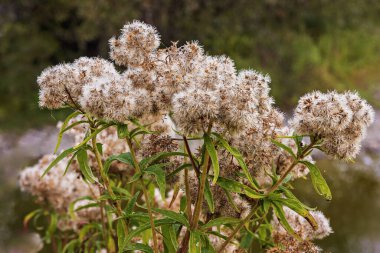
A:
340	119
135	44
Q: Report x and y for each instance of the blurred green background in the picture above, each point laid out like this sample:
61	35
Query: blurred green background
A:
303	44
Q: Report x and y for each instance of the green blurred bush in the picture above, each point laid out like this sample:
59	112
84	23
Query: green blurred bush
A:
302	44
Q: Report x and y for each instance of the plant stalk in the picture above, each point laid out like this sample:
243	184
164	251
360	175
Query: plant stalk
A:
107	184
146	196
237	229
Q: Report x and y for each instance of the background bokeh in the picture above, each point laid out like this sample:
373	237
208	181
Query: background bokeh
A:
303	44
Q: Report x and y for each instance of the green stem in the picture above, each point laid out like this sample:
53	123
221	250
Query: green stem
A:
199	202
291	166
146	196
237	229
107	184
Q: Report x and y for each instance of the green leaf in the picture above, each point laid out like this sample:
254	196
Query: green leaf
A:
290	195
122	131
159	156
173	215
99	146
170	238
183	204
62	130
239	158
160	178
139	132
89	137
58	159
284	147
131	203
69	163
139	247
299	208
195	245
282	219
135	177
30	215
72	204
213	155
124	158
120	235
122	191
180	168
319	183
52	226
209	198
86	229
111	244
220	221
233	186
95	204
146	226
84	168
70	247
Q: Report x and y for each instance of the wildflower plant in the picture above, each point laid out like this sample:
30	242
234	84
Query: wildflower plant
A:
176	151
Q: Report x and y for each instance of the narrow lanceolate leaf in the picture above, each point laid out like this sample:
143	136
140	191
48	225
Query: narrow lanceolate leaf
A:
70	246
290	195
195	242
124	158
62	130
233	186
58	159
160	177
84	168
52	225
213	155
284	147
209	198
131	203
157	157
319	183
173	215
120	235
282	219
30	215
297	206
170	238
239	158
220	221
122	131
69	163
146	226
85	230
138	247
89	137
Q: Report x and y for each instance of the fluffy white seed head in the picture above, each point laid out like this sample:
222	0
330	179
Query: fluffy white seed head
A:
54	82
340	119
135	44
194	110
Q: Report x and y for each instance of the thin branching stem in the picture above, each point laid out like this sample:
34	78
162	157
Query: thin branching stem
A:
188	150
237	229
146	196
107	184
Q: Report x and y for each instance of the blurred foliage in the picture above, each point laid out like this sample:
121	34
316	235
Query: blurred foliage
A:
302	44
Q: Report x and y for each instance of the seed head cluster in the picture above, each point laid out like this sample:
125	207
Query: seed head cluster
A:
340	119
